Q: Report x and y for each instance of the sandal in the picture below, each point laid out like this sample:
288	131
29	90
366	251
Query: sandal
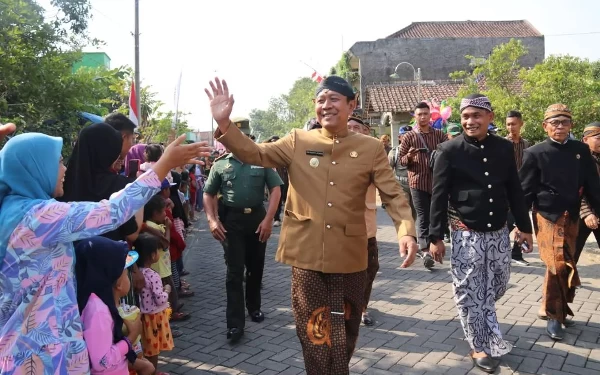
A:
184	273
185	284
179	316
184	293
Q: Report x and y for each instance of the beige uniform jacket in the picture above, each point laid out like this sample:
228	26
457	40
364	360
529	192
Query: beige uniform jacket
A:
324	222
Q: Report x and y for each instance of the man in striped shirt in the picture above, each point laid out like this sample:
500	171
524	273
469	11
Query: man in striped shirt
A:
415	152
514	123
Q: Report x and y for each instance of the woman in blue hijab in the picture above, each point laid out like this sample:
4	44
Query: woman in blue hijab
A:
40	326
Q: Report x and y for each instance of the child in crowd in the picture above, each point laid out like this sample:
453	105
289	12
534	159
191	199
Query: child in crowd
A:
102	280
183	195
155	217
177	245
154	300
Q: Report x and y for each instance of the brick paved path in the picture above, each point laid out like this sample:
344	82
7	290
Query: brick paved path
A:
417	331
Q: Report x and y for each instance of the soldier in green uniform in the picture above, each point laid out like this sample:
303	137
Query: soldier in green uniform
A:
243	227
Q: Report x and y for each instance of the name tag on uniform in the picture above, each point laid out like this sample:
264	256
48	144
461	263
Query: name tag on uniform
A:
314	153
256	166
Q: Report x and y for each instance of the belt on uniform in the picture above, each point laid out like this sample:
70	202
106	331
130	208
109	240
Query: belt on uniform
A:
244	210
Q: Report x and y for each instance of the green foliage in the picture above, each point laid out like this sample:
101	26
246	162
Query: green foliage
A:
559	79
36	57
562	79
39	90
159	127
286	111
343	69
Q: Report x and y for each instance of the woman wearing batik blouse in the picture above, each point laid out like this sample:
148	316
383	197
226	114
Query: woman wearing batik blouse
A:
40	326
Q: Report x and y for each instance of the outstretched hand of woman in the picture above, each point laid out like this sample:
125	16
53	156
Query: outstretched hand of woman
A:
177	154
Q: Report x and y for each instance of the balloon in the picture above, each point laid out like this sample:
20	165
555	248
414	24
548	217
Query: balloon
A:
446	113
435	115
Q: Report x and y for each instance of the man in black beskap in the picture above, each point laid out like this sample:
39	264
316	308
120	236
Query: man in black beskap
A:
475	182
555	175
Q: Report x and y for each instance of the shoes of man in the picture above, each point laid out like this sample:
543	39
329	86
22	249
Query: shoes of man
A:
428	261
235	334
257	316
277	223
367	320
486	364
518	259
555	330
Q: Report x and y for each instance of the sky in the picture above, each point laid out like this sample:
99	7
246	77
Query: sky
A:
262	46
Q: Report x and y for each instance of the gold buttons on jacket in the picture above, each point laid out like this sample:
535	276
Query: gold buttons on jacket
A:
330	204
328	226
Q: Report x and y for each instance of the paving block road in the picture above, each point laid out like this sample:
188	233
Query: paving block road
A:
416	332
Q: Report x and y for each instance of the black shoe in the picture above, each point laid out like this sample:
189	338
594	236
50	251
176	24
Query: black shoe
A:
428	261
367	320
257	316
555	330
567	323
234	334
486	364
447	239
518	258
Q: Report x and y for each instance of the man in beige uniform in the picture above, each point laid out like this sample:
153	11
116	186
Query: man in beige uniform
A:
324	235
357	125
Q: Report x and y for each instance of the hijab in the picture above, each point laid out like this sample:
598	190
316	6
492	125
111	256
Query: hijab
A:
89	176
100	263
28	172
136	152
178	212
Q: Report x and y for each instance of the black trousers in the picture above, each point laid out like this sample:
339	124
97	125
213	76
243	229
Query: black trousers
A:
404	183
422	202
584	233
284	190
510	224
243	250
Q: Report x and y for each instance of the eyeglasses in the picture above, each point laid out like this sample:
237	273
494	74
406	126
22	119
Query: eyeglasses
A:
556	123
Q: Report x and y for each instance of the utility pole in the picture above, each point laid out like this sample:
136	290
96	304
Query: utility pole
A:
138	89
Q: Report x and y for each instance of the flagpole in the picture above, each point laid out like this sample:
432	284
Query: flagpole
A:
138	89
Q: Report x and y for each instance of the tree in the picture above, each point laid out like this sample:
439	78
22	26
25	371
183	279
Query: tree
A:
558	79
159	127
561	79
500	73
344	70
36	58
286	111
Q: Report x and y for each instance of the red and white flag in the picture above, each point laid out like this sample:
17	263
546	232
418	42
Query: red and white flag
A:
316	77
133	115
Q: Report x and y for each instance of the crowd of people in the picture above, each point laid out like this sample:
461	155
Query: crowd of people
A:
91	255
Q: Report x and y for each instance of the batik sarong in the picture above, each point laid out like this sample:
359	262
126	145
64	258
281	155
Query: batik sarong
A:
556	242
480	264
328	310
